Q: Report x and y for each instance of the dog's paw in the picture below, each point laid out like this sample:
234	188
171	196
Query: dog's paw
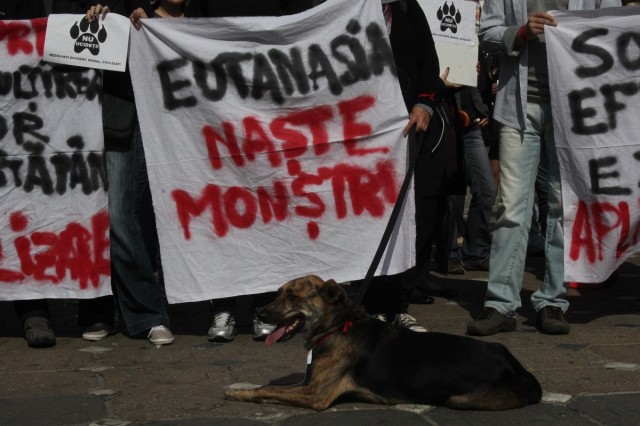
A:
239	391
242	386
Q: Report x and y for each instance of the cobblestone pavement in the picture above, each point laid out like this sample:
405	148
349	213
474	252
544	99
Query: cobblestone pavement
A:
590	377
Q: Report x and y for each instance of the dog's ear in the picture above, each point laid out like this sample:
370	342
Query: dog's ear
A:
331	292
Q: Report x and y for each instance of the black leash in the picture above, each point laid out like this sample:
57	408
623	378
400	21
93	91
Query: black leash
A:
394	214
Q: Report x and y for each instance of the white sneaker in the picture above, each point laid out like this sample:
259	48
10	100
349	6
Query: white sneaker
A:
223	328
380	317
261	329
409	322
98	331
160	335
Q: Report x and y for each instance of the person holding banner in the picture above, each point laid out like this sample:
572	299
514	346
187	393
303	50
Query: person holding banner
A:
33	314
224	326
226	8
134	241
523	105
438	170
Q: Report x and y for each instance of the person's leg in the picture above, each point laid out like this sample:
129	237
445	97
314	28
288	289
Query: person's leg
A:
476	246
447	256
554	288
139	295
519	156
31	308
430	196
99	310
429	218
542	189
431	202
535	245
540	209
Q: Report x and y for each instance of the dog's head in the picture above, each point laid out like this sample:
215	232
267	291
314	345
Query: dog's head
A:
307	304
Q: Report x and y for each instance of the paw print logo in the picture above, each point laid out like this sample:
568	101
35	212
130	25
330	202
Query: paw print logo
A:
88	36
449	17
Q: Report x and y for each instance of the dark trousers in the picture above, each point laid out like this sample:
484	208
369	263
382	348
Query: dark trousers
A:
391	294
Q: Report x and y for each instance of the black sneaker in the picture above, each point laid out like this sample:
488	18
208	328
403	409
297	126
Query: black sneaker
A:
491	322
551	321
426	286
38	332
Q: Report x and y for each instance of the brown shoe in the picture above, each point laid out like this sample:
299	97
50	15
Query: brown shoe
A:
551	320
491	322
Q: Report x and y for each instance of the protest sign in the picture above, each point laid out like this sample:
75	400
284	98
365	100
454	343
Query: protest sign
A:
274	147
102	43
54	240
453	26
594	67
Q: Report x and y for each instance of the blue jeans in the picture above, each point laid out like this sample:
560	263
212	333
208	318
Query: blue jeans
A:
519	157
134	241
476	247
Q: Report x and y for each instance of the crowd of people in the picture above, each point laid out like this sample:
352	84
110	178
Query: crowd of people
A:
496	138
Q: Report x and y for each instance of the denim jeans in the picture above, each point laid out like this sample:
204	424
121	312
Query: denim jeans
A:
476	247
134	241
519	157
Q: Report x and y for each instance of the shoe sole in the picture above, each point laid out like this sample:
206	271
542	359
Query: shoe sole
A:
506	329
554	333
94	338
42	343
161	342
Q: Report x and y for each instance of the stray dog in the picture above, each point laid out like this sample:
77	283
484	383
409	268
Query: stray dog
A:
360	358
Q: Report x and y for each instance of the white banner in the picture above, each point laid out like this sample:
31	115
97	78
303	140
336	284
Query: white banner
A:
274	147
102	43
453	26
594	67
54	225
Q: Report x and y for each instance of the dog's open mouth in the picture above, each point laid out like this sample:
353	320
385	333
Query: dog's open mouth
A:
285	330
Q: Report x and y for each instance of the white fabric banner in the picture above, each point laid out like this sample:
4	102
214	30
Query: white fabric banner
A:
274	147
54	225
594	67
102	43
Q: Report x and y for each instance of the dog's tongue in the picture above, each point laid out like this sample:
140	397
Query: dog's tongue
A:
275	336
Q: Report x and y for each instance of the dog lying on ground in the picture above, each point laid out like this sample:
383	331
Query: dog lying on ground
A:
357	357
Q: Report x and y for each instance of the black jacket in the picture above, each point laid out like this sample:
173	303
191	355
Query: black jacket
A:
220	8
414	53
21	9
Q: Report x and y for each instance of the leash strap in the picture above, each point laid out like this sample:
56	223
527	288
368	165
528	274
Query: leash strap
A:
394	214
